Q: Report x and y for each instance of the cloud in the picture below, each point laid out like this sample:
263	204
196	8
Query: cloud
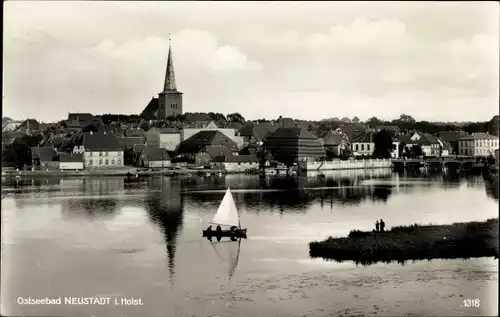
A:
193	51
318	59
361	33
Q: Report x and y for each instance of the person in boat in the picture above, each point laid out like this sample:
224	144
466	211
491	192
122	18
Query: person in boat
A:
376	226
209	229
219	229
234	229
382	225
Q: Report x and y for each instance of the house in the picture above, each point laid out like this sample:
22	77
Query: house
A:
393	129
192	146
251	149
102	150
80	116
43	158
234	125
256	133
235	163
363	145
10	125
478	144
428	142
154	157
192	129
167	138
72	162
208	153
446	148
129	142
452	138
335	143
134	132
291	145
28	126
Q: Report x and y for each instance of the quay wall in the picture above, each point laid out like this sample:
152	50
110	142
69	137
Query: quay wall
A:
344	165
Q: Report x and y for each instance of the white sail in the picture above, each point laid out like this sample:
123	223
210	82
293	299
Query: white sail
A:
227	214
228	252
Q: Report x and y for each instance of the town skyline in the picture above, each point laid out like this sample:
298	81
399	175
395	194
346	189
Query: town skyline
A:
375	60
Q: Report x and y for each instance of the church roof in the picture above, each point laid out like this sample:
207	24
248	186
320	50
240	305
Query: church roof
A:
170	84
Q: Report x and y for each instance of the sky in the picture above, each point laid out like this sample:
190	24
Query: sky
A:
437	61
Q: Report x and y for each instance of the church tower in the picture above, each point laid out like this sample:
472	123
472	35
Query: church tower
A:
170	99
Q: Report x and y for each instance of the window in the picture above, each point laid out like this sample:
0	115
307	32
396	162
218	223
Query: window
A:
362	147
105	154
100	161
106	162
356	147
112	162
368	147
119	162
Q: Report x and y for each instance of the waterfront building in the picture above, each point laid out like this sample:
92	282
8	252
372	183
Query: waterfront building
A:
69	161
154	157
102	150
478	144
291	145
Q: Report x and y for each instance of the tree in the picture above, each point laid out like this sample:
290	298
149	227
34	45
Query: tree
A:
416	150
355	120
383	144
402	149
90	128
144	126
404	118
373	122
493	125
236	117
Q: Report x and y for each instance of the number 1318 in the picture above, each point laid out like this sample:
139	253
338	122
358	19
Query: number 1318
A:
472	303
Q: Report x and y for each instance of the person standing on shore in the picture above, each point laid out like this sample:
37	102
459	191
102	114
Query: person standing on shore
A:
382	225
376	226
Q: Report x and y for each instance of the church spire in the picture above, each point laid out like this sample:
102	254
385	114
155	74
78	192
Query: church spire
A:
170	74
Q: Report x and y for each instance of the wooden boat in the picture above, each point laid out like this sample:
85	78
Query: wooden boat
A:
228	218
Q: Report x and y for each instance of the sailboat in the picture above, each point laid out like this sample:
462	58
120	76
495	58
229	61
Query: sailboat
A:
228	218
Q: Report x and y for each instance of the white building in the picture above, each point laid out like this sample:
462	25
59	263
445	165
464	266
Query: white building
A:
236	163
363	145
154	157
478	144
167	138
73	162
233	134
102	150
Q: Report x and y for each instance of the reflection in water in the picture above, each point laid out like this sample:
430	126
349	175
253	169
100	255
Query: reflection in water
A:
165	208
492	189
229	253
101	199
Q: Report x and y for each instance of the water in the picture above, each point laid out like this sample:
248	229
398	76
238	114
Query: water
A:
107	238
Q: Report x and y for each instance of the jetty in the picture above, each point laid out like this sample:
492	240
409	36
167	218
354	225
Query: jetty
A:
415	242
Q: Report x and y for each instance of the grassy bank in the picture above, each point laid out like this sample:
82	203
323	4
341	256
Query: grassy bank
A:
416	242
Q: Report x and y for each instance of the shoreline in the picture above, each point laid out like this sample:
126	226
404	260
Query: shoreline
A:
416	242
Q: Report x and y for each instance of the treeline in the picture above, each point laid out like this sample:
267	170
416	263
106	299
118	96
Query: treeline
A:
18	153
